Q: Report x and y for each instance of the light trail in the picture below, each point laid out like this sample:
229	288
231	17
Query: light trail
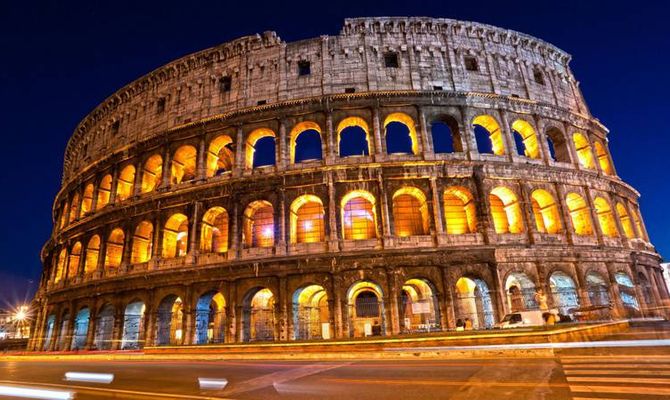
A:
89	377
543	346
32	393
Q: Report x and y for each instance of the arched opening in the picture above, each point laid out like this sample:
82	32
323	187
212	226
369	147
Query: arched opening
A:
80	331
521	293
359	221
258	315
169	321
305	142
104	192
152	173
63	337
528	144
311	316
220	156
366	310
63	215
637	220
210	318
505	211
605	217
125	184
627	293
259	226
104	328
580	214
473	303
583	148
307	224
597	289
625	221
133	326
175	236
49	332
114	248
214	231
61	265
353	137
260	148
558	146
92	254
419	308
446	136
74	208
142	243
488	135
73	263
563	292
410	212
646	289
603	158
183	165
87	200
459	211
400	134
545	211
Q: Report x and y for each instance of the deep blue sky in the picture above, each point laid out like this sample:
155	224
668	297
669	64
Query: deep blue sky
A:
58	60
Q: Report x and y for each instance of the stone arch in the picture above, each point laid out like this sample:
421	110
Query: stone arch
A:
605	217
603	158
398	128
49	329
419	307
446	135
169	321
133	325
583	149
305	136
311	314
114	249
104	327
505	211
563	292
214	231
252	140
626	223
307	220
184	164
125	183
473	302
152	173
521	292
104	192
259	226
359	216
488	135
258	315
210	318
580	214
61	265
80	329
460	215
87	200
527	143
627	293
92	254
366	309
142	243
353	137
410	212
175	236
545	211
220	156
74	208
73	262
558	145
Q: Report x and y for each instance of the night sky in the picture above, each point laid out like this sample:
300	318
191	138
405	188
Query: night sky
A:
58	60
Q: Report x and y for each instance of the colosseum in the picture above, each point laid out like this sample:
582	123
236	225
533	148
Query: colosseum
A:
401	177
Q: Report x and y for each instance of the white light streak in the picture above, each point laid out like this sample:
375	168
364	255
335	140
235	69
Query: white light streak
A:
212	383
30	393
89	377
558	345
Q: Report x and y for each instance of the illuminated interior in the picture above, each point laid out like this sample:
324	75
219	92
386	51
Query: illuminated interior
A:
152	173
92	254
142	242
563	292
408	122
298	130
495	134
605	217
410	212
183	165
506	211
558	146
73	263
348	131
63	216
60	265
583	148
169	321
261	318
637	220
104	192
306	220
365	299
125	183
520	290
626	223
545	211
74	207
603	158
579	214
459	211
310	312
419	311
253	138
529	138
175	236
359	220
214	231
259	227
87	200
220	156
210	316
473	302
114	248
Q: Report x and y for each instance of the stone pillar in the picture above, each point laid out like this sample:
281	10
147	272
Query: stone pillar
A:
527	211
167	168
281	155
55	335
94	201
481	202
386	222
280	240
615	296
329	153
193	232
240	147
425	143
594	216
234	238
115	184
102	253
157	246
201	167
127	248
380	149
568	229
508	137
448	300
338	317
137	186
70	330
393	301
437	210
283	314
332	213
499	292
117	331
92	327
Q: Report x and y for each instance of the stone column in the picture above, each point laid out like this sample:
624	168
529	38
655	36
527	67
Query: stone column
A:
425	145
329	153
127	248
117	331
280	241
70	329
167	168
337	306
234	251
333	236
500	291
281	155
193	232
508	137
437	209
240	147
283	315
448	300
55	335
481	202
527	211
386	222
137	185
115	184
379	148
92	327
594	216
392	278
201	167
568	229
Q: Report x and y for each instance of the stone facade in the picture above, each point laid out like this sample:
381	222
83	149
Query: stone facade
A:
132	260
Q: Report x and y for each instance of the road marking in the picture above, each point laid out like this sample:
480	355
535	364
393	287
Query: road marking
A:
587	371
637	390
618	366
602	379
414	382
597	398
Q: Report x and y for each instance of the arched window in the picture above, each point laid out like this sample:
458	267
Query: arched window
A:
92	254
603	158
488	135
214	231
359	220
61	264
87	200
259	225
104	191
605	217
528	145
152	173
307	224
114	246
63	215
183	165
410	212
260	148
558	146
579	214
142	243
124	187
583	148
625	221
459	211
74	207
445	134
506	211
400	134
545	211
175	236
637	220
220	156
73	263
353	137
305	142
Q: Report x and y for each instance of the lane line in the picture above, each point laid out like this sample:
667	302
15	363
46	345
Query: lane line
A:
615	372
627	380
636	390
618	366
414	382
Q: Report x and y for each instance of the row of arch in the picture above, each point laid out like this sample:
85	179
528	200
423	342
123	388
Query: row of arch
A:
359	220
306	143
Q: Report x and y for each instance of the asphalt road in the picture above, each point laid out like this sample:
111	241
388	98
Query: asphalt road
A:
611	373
